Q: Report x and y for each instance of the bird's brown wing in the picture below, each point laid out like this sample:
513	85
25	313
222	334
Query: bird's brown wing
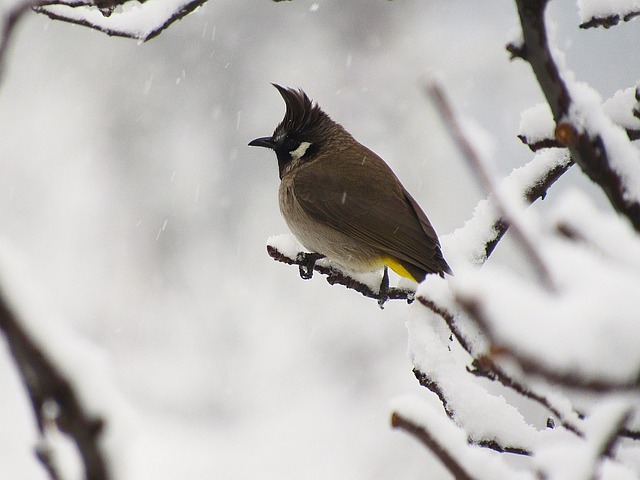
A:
365	200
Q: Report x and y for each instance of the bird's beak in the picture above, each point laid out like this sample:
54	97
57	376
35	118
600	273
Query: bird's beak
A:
263	142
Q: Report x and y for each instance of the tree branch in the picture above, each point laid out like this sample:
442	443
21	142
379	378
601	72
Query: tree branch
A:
587	148
9	23
337	277
534	191
493	444
431	442
46	383
632	133
610	20
106	8
437	94
483	366
621	109
473	307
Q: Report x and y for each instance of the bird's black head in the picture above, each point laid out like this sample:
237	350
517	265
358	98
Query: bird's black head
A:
302	132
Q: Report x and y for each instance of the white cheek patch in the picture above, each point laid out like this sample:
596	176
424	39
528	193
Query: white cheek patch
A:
299	152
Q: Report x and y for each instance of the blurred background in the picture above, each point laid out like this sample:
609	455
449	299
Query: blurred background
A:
128	186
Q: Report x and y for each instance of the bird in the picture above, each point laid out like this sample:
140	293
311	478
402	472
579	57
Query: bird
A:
342	201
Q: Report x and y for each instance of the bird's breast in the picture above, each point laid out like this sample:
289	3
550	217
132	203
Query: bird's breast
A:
318	237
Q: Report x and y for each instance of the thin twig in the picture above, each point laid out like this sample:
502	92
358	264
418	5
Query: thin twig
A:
437	94
433	386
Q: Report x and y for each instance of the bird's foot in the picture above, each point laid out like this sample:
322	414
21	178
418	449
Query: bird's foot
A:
383	293
306	263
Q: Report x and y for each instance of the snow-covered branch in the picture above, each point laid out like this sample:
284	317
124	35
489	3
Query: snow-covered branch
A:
507	215
430	440
449	443
545	343
285	249
607	14
600	148
64	377
141	20
537	128
45	383
482	365
138	19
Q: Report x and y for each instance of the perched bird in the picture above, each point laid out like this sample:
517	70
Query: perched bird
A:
343	201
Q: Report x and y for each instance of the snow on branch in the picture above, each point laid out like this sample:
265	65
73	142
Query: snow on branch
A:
64	378
533	341
141	20
607	13
285	249
601	149
537	128
544	343
594	453
584	335
481	364
449	443
508	215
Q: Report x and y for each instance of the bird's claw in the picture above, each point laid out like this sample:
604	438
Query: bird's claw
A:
383	294
306	263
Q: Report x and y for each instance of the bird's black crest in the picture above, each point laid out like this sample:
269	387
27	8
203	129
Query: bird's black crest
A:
302	115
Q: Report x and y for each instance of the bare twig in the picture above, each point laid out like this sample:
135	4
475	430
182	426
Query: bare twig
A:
46	383
45	456
443	105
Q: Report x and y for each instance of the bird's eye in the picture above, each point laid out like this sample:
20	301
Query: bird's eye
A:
290	144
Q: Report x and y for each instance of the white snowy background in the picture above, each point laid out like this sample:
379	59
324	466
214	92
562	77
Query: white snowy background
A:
128	189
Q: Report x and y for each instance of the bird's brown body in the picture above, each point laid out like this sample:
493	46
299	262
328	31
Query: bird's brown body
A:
343	201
